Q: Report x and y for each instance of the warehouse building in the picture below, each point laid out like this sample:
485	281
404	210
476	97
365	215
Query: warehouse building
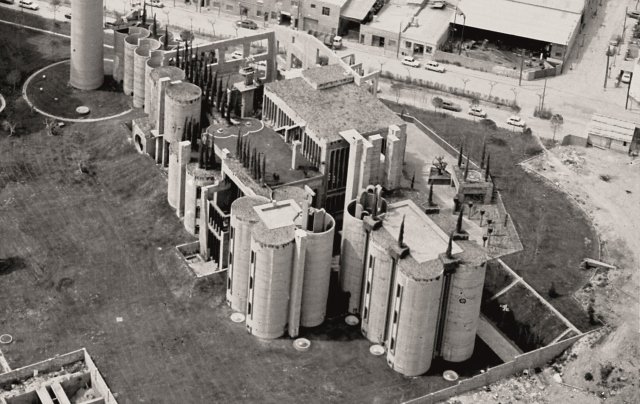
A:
610	133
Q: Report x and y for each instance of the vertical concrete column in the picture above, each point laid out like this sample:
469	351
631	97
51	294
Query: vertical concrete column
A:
206	195
184	155
294	154
377	287
297	278
158	112
271	60
87	61
374	167
353	171
366	164
159	150
173	180
393	162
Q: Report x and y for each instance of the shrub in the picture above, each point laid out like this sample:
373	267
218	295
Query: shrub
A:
543	113
588	376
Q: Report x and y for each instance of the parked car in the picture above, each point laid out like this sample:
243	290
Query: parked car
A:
410	61
28	4
67	16
477	111
626	77
237	55
634	14
451	106
437	4
515	120
155	3
7	1
337	42
434	66
248	24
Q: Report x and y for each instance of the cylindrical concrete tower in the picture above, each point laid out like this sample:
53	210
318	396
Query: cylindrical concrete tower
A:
196	178
154	62
270	280
463	310
130	44
156	96
317	269
87	61
243	218
375	300
181	104
412	322
354	239
140	57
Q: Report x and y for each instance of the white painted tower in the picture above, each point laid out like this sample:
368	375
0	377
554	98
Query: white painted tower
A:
87	60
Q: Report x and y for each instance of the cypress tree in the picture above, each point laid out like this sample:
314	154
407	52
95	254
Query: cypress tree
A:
486	173
201	157
459	223
484	151
165	44
238	141
219	95
223	106
401	233
450	247
144	14
177	55
466	168
460	156
155	26
264	167
212	160
431	195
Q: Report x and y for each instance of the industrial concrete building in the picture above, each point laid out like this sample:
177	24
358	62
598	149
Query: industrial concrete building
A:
610	133
280	255
313	110
416	290
87	62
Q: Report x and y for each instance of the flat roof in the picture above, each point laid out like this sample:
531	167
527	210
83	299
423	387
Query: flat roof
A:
264	140
278	213
329	111
357	9
611	128
573	6
324	75
432	24
424	238
520	19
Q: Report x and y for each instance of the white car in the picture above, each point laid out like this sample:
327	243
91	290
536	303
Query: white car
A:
477	111
155	3
237	55
516	121
28	4
410	61
434	66
626	77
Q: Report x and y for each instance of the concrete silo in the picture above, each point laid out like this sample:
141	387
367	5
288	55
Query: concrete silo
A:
130	45
181	104
271	257
354	242
243	219
317	268
157	92
462	312
415	303
87	61
140	57
119	37
376	289
154	62
196	178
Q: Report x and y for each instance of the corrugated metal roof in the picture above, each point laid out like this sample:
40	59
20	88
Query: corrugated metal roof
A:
357	9
611	128
520	19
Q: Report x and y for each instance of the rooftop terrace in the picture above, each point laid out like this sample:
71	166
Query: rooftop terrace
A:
332	110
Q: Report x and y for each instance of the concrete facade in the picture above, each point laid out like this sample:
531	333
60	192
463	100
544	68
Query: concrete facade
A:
420	292
87	61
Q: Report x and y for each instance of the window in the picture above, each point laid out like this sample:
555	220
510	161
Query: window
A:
326	11
293	39
392	42
216	4
395	317
229	283
393	344
407	44
197	229
198	192
313	6
259	13
558	54
274	15
368	287
229	7
251	282
428	49
365	313
249	308
294	3
624	143
398	291
253	256
197	212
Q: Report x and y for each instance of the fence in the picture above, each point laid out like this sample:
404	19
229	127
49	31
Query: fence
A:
528	360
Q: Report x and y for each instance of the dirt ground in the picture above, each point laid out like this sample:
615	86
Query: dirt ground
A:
604	366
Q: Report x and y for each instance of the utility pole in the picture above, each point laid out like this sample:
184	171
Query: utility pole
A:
544	90
464	22
521	67
626	103
399	40
606	73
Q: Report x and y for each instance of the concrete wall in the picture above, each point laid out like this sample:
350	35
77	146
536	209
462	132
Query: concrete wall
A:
313	18
377	285
87	62
529	360
354	240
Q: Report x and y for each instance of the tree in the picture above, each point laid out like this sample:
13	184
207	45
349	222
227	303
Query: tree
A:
9	127
556	122
55	4
13	78
437	103
155	26
165	44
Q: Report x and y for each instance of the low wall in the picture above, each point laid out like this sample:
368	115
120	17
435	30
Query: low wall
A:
97	381
529	360
3	103
470	63
49	365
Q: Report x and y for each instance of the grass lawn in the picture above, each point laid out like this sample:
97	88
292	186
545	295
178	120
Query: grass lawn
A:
556	235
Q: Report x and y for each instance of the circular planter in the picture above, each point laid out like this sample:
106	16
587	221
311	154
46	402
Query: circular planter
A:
302	344
351	320
376	350
6	339
450	375
237	318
